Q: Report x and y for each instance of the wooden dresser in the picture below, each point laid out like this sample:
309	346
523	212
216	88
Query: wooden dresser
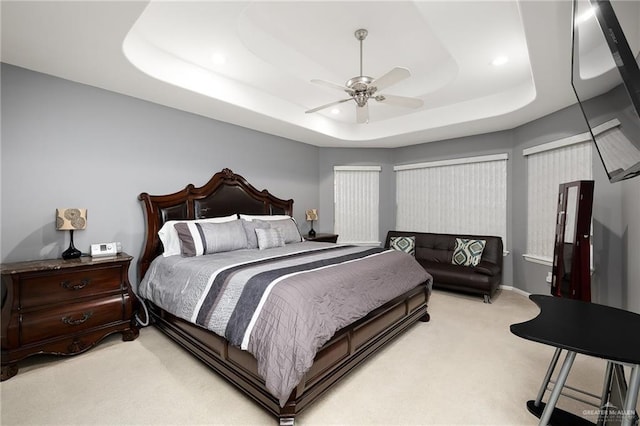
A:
63	307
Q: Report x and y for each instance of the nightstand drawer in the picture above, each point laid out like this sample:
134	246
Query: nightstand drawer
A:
64	285
69	319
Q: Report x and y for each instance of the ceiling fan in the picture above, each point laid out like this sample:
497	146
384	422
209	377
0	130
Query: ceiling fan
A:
362	88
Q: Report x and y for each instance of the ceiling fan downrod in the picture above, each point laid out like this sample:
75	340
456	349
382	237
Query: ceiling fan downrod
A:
361	34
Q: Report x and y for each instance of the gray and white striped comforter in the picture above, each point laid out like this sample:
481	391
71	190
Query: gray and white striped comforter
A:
280	304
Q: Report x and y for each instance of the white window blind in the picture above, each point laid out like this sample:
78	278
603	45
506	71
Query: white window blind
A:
548	166
462	196
357	200
616	149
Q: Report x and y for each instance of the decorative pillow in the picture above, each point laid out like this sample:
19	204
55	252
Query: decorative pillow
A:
169	236
405	244
269	238
250	230
468	252
288	227
197	239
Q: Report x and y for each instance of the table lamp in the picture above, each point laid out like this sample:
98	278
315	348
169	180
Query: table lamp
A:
70	220
312	214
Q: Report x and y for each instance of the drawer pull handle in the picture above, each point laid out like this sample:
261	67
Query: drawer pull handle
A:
69	286
71	321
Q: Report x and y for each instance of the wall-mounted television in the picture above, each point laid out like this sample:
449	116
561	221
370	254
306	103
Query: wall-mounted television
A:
606	80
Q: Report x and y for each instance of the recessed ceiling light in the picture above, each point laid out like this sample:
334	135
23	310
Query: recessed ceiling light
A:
218	59
499	61
335	111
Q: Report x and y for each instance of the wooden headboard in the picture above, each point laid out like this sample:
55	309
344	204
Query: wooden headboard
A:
226	193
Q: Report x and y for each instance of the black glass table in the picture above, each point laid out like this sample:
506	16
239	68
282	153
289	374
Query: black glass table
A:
583	328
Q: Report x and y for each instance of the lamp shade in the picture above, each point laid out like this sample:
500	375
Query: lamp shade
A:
312	214
71	219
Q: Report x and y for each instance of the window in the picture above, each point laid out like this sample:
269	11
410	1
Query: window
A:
548	166
461	196
356	201
617	151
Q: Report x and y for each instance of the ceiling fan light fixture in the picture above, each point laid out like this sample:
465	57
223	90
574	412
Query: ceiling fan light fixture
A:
361	98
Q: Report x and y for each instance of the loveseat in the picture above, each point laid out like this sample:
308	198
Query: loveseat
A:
435	253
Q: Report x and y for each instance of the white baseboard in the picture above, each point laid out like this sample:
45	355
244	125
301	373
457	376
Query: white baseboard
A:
517	290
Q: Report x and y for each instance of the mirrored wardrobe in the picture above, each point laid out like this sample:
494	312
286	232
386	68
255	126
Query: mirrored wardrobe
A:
571	273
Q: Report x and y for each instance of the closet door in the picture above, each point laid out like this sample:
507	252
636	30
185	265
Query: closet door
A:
571	273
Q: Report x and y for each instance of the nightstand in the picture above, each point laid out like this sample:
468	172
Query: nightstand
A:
63	307
324	238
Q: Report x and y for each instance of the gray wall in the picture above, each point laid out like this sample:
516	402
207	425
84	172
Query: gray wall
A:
499	142
484	144
616	209
330	157
69	145
607	205
630	244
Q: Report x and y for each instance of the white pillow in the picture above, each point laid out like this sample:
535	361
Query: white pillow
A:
265	217
169	236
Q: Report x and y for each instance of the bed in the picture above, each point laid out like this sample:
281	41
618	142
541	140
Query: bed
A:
228	194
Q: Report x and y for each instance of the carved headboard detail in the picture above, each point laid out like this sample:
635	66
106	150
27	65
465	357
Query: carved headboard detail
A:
226	193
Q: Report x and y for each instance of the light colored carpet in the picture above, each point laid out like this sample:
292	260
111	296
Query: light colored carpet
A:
471	370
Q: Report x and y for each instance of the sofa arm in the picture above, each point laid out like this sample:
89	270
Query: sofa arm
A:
487	268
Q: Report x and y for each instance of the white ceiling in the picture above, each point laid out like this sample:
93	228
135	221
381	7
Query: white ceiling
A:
164	51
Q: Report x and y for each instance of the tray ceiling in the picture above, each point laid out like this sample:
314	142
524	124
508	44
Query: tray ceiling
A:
251	63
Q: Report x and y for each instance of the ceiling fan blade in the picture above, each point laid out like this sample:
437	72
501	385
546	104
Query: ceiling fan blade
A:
328	105
362	114
329	85
402	101
392	77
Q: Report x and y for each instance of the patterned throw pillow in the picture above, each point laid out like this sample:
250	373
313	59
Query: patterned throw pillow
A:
468	252
405	244
269	238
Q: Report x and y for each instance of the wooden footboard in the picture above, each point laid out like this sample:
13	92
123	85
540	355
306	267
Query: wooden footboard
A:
347	349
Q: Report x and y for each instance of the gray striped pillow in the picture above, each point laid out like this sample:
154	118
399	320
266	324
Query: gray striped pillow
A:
197	238
288	227
269	238
250	230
